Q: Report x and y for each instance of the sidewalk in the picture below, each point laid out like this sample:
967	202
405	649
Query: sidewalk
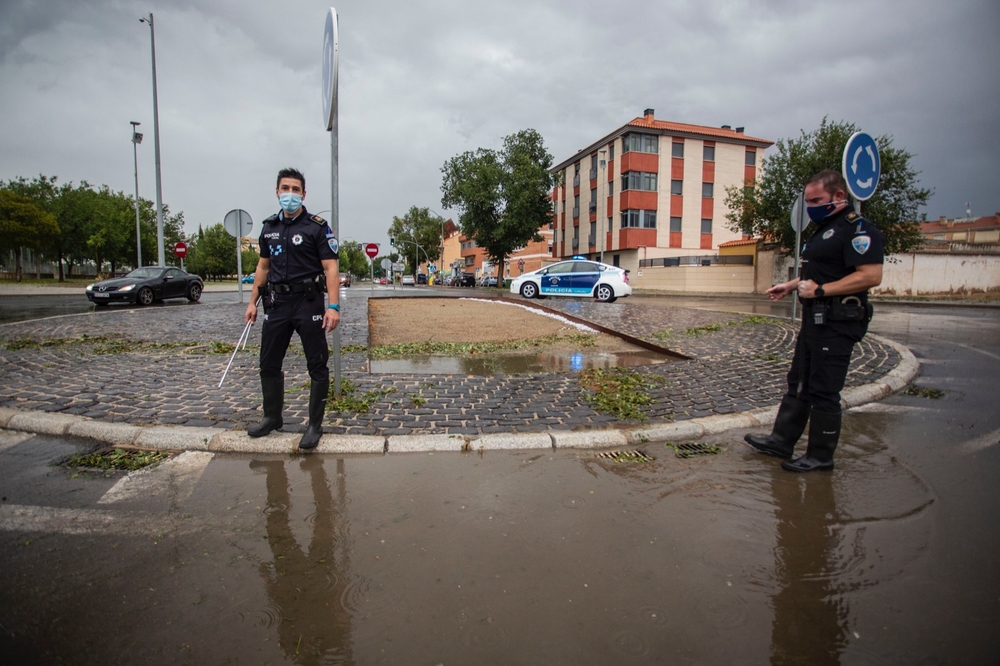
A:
148	377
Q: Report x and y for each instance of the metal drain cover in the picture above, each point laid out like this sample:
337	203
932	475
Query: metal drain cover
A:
625	456
691	449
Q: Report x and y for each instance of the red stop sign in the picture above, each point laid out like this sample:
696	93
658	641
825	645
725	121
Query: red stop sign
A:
371	249
181	249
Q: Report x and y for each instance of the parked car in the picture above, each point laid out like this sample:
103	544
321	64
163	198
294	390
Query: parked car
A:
345	279
421	278
408	280
574	278
466	280
248	279
490	281
146	285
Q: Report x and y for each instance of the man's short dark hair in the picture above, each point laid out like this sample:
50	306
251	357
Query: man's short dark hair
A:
831	181
291	173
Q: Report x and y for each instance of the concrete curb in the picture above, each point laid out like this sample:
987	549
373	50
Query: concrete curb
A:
186	438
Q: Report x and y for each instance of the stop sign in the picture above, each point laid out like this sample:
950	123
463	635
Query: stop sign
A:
371	249
181	249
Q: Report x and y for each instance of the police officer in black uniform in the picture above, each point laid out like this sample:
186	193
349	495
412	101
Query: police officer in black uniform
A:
296	250
842	260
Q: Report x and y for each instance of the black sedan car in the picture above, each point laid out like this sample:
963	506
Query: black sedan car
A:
146	285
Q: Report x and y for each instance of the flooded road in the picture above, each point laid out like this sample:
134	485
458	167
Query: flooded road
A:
517	558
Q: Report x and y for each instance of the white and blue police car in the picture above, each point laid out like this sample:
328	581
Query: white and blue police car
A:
577	277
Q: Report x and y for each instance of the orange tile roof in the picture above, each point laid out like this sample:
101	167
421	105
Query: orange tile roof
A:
977	224
701	130
744	241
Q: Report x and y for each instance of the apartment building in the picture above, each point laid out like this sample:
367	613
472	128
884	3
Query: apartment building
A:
650	189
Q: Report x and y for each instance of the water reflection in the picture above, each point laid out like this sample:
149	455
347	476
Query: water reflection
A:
810	614
306	588
513	364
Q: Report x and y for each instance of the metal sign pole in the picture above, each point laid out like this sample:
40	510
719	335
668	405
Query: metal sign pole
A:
239	252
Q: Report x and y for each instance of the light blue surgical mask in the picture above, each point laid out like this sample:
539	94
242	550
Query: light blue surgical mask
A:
290	202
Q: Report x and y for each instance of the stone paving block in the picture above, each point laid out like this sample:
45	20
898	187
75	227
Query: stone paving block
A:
414	443
43	423
238	441
589	439
351	444
6	414
115	434
178	438
512	442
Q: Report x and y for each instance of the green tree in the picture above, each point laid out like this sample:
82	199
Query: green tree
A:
764	210
502	196
23	224
417	227
352	259
212	253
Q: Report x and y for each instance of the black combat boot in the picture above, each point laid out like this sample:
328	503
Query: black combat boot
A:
273	389
824	431
317	408
788	427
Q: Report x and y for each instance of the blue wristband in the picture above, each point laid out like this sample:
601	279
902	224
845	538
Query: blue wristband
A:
333	306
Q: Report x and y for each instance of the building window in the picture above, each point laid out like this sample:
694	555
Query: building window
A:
576	232
639	180
675	225
576	169
611	150
677	149
593	230
706	226
639	219
708	190
576	205
751	158
611	224
677	187
640	143
708	153
550	248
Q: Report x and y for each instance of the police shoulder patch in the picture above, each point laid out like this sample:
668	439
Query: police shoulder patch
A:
332	242
861	244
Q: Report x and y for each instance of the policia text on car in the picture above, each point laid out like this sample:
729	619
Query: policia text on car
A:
841	261
298	262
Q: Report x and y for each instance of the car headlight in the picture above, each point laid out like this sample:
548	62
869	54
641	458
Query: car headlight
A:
128	287
90	287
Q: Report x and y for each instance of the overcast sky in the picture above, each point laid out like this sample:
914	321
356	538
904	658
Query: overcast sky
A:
240	91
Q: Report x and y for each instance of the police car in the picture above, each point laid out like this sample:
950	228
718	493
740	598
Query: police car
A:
577	277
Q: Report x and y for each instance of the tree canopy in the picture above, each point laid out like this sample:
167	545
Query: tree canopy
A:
502	196
23	224
764	210
417	227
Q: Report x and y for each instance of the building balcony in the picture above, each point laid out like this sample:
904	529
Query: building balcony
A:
634	238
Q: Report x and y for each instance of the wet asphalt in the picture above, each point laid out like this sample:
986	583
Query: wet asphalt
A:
560	557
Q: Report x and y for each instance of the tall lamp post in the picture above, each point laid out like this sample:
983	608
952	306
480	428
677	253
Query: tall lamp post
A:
136	140
161	257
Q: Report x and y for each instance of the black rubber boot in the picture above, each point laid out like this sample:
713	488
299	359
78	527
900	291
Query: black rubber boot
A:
788	427
317	408
273	389
824	432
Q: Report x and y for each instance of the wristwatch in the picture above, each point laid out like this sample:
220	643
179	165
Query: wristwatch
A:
819	292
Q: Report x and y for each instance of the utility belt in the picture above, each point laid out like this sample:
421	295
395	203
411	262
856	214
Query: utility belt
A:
310	287
849	308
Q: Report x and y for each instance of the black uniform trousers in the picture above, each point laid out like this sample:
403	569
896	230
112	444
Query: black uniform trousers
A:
294	312
825	351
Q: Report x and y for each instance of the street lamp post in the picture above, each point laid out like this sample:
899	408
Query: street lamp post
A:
136	140
161	257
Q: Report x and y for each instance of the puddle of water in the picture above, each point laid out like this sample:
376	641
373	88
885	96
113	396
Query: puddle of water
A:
515	364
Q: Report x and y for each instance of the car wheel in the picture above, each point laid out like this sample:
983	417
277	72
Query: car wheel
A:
144	297
529	290
194	292
605	294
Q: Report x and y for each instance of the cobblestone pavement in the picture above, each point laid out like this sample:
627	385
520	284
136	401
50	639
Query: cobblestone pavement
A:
162	366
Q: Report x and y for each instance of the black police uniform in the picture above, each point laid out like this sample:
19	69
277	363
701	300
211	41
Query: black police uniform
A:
831	326
294	295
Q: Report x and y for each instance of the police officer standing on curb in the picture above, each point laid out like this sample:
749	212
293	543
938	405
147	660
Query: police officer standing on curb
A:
296	249
841	261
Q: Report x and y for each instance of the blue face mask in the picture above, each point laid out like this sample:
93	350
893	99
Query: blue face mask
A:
822	211
290	202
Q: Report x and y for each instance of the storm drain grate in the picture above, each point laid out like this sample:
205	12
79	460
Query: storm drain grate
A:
691	449
625	456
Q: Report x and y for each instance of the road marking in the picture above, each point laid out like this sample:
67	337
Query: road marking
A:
55	520
177	476
981	443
